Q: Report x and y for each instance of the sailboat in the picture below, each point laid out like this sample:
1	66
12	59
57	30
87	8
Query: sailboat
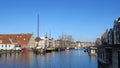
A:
38	48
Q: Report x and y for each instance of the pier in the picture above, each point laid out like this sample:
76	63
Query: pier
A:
10	51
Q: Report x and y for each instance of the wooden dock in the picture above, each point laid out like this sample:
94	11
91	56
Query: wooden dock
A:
10	51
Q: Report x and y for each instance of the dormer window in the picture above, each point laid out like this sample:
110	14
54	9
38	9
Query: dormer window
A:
17	36
24	39
0	41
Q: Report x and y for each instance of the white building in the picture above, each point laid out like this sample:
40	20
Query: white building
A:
44	42
10	41
7	46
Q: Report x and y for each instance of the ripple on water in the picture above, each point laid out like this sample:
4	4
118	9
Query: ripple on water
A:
64	59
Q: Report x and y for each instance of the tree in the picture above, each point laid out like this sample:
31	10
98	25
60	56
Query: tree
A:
98	41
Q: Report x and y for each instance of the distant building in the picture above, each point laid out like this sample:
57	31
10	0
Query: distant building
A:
57	43
40	42
78	44
51	43
84	44
45	42
9	41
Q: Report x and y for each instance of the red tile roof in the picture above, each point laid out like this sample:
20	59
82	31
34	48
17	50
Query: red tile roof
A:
22	39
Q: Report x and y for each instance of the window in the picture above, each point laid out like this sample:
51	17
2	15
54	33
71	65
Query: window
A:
2	45
24	39
5	45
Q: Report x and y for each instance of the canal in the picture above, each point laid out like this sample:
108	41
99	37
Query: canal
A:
64	59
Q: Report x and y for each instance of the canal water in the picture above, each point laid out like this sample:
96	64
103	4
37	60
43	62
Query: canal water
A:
64	59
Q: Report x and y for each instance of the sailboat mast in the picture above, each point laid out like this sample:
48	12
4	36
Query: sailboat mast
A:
50	35
46	40
38	26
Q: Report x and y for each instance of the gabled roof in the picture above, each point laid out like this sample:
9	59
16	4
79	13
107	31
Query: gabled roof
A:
104	36
22	39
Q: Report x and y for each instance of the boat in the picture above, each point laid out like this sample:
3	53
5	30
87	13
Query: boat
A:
25	49
77	48
38	50
48	49
17	48
85	50
68	48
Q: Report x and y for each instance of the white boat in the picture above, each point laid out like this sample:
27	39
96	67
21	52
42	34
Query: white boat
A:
77	48
17	48
68	48
38	48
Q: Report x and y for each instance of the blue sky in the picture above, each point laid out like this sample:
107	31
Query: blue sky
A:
85	20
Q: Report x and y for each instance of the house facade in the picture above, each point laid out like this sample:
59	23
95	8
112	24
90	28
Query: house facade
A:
84	44
44	42
109	51
57	43
116	46
10	41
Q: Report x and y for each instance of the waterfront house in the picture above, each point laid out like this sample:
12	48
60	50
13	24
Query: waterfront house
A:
40	42
78	44
50	42
110	37
44	42
10	41
116	28
92	50
57	43
105	52
105	56
109	52
116	46
84	44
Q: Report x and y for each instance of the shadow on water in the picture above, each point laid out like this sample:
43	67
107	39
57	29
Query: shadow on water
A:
64	59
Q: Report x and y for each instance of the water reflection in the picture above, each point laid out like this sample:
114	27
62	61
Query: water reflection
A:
65	59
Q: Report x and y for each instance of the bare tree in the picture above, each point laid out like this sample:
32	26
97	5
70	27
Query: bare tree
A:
66	40
98	41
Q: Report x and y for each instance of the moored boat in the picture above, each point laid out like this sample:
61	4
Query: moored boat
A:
68	48
77	48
